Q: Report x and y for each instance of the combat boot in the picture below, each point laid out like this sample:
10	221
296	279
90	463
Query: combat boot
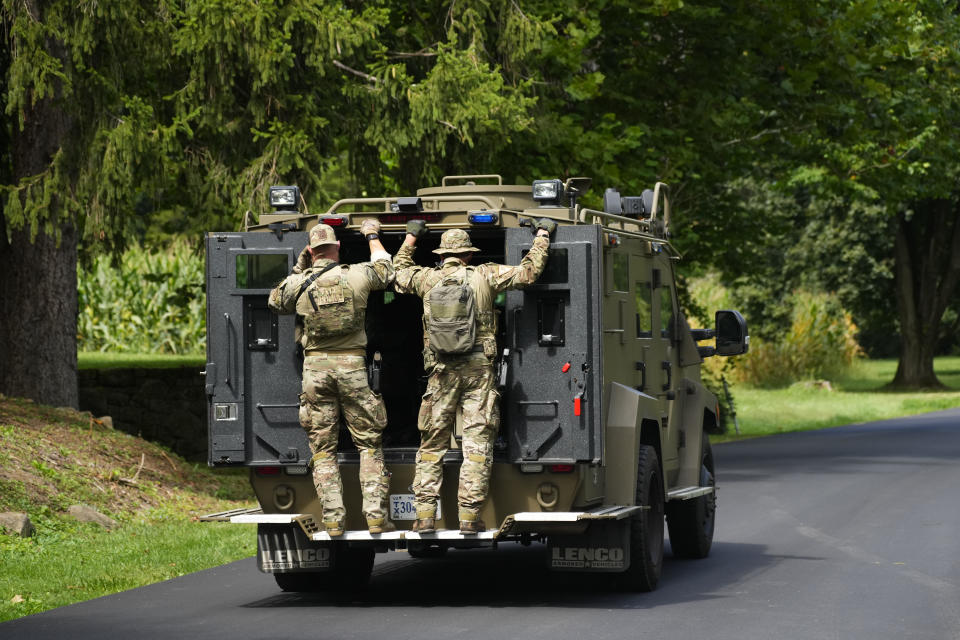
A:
425	525
380	525
334	528
472	527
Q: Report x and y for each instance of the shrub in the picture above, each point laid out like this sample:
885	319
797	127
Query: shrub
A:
821	343
708	295
148	303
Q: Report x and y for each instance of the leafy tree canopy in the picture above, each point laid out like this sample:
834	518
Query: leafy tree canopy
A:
183	112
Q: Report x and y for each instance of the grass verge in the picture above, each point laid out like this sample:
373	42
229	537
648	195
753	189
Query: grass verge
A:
64	564
100	360
858	397
52	458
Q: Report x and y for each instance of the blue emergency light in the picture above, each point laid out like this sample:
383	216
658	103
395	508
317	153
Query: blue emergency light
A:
483	218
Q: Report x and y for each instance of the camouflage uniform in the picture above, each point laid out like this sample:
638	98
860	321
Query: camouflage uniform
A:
335	378
461	382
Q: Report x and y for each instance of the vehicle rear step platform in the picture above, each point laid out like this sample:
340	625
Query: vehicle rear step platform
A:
688	493
227	516
518	523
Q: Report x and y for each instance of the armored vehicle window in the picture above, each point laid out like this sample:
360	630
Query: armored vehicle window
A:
666	312
260	270
621	272
644	310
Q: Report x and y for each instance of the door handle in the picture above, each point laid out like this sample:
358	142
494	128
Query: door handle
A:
226	379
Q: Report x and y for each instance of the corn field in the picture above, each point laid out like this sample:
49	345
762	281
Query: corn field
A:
152	302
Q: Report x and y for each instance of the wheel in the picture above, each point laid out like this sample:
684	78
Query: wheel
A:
351	571
646	528
691	522
309	581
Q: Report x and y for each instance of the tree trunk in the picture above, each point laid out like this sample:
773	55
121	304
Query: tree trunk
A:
38	318
927	269
38	280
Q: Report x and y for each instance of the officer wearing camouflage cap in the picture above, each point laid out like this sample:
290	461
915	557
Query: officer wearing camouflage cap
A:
331	298
460	362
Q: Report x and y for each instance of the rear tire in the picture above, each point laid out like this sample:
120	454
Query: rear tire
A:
646	528
350	572
691	522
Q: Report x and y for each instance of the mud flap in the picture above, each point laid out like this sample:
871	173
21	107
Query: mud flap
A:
284	548
604	547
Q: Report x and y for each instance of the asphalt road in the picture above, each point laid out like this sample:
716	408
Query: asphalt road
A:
844	533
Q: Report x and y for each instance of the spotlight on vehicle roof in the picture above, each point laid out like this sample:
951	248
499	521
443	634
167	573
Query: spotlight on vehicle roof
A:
284	198
547	192
411	204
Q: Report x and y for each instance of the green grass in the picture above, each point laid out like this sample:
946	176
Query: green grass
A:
858	397
99	360
53	458
67	563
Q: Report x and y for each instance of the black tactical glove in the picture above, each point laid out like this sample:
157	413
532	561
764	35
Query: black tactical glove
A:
547	225
416	228
304	261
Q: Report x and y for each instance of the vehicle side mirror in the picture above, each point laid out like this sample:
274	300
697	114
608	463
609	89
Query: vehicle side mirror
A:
731	332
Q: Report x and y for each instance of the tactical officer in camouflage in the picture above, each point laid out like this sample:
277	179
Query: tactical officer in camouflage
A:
461	376
332	300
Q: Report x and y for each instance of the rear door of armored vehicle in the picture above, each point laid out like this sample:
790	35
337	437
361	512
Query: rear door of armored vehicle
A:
552	404
253	367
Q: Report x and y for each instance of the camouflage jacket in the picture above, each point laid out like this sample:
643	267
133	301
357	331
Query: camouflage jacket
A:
487	280
362	278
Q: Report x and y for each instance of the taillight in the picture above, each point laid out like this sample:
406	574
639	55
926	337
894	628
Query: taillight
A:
560	468
334	221
268	471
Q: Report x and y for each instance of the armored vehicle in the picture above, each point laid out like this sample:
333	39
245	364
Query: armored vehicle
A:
604	416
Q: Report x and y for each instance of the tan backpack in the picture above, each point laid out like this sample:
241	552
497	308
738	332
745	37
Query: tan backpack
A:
452	326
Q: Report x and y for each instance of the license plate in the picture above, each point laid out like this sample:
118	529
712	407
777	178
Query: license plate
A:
401	507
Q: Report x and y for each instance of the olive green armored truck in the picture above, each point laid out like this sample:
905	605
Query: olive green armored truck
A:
604	419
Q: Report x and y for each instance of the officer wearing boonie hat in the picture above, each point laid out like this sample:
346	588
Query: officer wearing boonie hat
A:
461	375
455	241
331	299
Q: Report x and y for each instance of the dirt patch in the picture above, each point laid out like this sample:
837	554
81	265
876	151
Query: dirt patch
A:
52	458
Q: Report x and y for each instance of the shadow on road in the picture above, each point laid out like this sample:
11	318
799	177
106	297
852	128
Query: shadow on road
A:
514	576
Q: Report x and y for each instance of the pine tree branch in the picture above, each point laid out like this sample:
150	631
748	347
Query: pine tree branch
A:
361	74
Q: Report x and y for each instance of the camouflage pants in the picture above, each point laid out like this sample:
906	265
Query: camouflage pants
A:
333	385
465	384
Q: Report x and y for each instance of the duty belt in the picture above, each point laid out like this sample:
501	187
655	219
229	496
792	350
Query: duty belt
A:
333	353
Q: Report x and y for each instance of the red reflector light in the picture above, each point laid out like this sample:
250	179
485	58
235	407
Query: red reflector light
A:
560	468
268	471
334	221
576	406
